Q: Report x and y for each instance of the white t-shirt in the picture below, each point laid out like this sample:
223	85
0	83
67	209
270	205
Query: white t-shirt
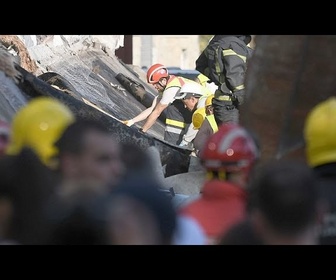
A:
168	95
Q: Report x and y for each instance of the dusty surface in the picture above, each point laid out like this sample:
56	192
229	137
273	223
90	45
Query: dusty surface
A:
7	66
17	45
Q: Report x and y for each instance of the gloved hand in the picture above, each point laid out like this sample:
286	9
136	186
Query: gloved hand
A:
128	122
184	143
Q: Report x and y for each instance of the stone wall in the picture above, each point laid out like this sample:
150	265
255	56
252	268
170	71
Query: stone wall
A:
170	50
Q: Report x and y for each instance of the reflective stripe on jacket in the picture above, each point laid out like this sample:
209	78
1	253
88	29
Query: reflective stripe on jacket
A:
212	122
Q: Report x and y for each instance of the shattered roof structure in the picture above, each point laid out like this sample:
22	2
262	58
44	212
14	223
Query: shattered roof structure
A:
286	77
84	73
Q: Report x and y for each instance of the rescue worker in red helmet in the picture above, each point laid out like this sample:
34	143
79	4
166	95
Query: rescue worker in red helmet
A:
228	158
178	117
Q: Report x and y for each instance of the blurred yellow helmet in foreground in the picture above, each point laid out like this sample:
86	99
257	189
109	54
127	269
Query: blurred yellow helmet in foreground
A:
38	125
198	117
320	133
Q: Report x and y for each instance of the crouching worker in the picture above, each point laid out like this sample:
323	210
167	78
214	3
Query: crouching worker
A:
194	98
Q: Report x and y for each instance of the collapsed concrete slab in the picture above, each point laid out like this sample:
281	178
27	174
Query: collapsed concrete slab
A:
83	76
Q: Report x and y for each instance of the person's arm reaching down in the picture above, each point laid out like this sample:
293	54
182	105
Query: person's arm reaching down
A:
153	116
143	115
189	136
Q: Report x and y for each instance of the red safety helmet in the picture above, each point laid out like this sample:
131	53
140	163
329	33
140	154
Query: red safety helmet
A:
156	72
230	149
4	136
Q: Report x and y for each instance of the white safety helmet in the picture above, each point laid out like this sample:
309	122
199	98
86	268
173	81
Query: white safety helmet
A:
191	88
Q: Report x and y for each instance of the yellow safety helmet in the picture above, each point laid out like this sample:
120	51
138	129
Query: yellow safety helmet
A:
198	117
38	125
208	101
320	133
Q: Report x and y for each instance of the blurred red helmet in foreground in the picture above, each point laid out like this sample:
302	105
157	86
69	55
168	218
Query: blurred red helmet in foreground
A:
230	149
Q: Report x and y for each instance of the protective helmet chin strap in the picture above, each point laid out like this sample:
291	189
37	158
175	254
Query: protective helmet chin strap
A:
159	82
220	175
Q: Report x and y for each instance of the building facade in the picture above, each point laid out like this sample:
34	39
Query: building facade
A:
170	50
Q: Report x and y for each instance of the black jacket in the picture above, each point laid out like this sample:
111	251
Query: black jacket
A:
327	186
224	62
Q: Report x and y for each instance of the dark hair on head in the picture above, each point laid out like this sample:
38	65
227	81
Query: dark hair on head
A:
28	184
285	191
150	194
134	156
71	139
78	227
